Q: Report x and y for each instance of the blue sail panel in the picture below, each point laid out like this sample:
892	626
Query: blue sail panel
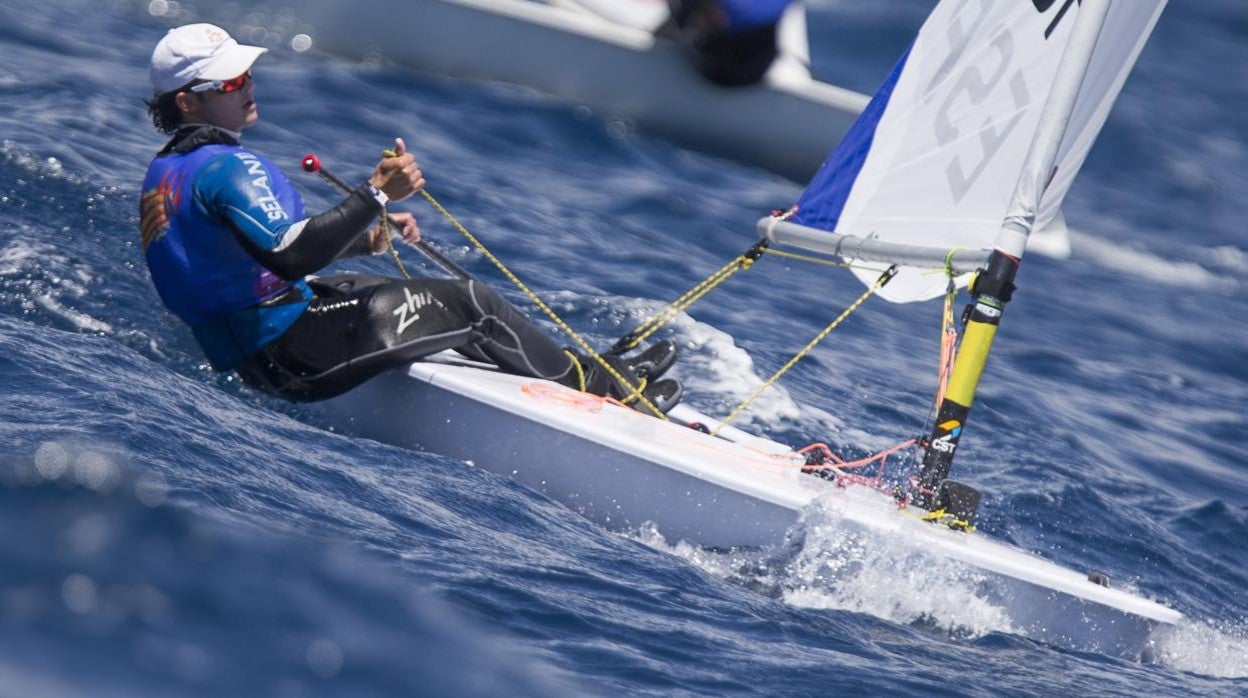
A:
941	158
821	204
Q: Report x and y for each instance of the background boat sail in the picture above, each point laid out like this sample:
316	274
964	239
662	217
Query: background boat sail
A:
969	146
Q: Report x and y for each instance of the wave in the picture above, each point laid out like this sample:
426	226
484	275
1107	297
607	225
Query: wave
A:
1164	270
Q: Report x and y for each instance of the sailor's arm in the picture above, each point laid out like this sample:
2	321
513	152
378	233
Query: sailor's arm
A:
229	188
397	177
240	190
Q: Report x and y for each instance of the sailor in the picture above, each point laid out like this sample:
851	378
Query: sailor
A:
230	250
733	41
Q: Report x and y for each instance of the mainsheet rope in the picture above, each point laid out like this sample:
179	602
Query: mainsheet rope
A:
634	392
394	254
742	262
884	278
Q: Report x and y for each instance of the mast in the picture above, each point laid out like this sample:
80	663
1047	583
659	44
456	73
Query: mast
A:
995	285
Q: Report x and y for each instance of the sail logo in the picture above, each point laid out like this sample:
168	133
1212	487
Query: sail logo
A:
1043	6
978	85
999	83
948	442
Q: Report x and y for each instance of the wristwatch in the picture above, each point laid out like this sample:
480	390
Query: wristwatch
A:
378	195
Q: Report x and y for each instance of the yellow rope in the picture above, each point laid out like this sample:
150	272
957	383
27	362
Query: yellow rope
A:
884	278
949	260
394	254
664	316
948	345
741	263
634	393
693	295
948	333
658	320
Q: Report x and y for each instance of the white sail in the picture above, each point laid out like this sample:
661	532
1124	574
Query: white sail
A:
1126	27
935	159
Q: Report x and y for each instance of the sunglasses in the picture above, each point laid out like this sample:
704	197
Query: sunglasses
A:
222	86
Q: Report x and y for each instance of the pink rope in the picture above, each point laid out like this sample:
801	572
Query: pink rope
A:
839	465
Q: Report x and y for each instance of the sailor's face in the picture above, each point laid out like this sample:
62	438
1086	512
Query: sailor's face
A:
233	110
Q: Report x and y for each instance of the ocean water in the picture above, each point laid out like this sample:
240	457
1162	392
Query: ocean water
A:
169	532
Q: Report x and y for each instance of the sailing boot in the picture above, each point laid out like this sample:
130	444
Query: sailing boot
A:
654	361
589	376
663	394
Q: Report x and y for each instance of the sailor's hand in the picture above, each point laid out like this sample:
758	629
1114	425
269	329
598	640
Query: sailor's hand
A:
399	176
404	224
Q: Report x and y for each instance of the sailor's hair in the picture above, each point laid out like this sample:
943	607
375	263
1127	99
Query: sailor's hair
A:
164	111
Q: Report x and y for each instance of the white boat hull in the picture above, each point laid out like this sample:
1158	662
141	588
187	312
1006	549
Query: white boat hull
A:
788	124
624	469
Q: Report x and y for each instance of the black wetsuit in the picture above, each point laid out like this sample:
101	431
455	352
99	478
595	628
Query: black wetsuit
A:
359	325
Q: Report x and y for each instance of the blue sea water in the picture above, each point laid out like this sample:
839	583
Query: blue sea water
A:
170	532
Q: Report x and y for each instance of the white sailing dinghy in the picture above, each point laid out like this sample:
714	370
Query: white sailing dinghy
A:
604	54
967	148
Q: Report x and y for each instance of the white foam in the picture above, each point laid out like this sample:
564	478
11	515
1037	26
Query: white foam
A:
1202	648
44	277
1228	257
718	374
711	365
717	366
78	320
47	167
1140	263
18	256
838	567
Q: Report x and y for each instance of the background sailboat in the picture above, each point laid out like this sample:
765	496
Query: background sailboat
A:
616	68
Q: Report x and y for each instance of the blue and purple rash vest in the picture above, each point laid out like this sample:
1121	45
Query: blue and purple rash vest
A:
228	245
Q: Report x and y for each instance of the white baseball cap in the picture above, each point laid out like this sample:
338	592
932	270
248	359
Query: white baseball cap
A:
199	52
